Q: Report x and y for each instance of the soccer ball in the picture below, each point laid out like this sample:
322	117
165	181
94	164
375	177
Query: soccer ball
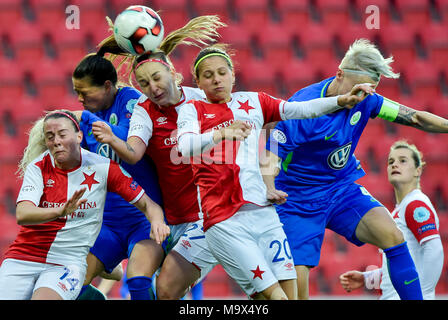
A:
138	29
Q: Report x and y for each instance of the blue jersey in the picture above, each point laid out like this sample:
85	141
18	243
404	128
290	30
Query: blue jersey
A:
118	211
317	154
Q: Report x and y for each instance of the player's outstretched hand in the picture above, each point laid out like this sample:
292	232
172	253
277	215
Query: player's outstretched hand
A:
356	95
73	203
159	232
351	280
276	196
102	132
238	130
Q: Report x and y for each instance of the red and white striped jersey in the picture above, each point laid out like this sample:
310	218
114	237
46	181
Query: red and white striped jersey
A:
417	219
228	175
157	127
68	239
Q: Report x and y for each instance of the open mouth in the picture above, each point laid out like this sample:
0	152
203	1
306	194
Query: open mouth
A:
394	173
159	96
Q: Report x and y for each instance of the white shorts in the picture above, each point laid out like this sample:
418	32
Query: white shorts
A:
194	248
252	248
19	279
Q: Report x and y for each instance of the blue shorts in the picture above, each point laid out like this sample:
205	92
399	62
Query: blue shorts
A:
115	243
304	222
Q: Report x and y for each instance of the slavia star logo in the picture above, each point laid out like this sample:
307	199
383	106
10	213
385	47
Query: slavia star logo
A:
258	273
89	180
245	106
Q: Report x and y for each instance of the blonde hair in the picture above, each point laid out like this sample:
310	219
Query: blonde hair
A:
364	55
36	146
200	30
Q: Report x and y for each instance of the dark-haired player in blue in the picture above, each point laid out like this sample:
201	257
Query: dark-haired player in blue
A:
317	171
124	233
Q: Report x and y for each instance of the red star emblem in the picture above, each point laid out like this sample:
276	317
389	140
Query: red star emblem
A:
245	106
258	273
89	180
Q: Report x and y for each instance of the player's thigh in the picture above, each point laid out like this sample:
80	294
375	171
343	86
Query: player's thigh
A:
110	249
193	247
146	257
303	276
17	279
176	276
304	225
94	268
66	281
377	227
239	253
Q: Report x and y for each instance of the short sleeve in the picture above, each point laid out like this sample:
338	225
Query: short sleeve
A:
187	121
141	124
121	182
32	186
270	106
421	220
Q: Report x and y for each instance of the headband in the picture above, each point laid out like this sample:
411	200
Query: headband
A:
66	115
210	55
152	60
374	75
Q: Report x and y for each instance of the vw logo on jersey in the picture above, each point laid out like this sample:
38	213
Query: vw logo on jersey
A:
355	118
113	119
106	151
339	157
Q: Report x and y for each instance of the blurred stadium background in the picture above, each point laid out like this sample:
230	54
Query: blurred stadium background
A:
281	46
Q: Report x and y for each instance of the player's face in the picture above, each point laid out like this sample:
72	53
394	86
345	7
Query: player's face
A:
216	79
93	98
158	83
349	80
401	167
63	142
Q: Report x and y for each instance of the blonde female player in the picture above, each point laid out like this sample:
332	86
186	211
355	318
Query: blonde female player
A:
60	209
152	131
416	218
221	132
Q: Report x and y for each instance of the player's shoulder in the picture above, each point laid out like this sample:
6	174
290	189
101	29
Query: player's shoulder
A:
193	93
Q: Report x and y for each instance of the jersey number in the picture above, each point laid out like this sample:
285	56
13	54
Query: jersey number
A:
278	255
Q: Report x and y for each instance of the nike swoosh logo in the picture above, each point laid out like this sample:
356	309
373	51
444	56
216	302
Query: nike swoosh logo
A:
410	281
328	138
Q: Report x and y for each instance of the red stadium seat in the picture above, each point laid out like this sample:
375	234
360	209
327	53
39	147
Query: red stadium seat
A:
119	6
334	12
353	31
318	44
70	47
92	13
389	88
276	44
28	47
423	78
297	74
239	39
259	75
11	81
415	13
399	41
174	13
435	40
49	14
254	14
293	13
52	83
207	7
10	13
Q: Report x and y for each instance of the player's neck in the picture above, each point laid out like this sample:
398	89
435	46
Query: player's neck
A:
332	89
402	190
